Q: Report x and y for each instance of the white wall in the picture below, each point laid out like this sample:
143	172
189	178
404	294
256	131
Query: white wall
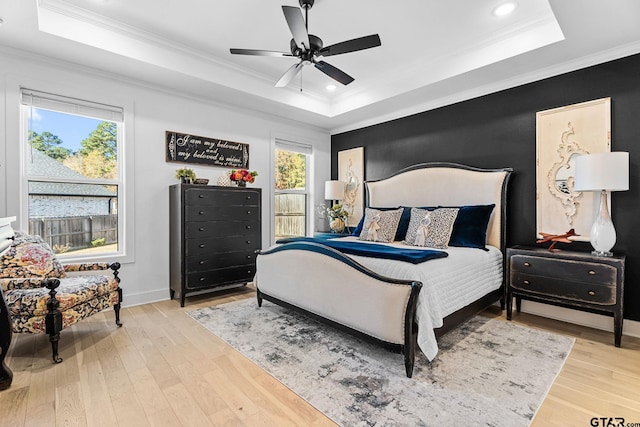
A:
149	113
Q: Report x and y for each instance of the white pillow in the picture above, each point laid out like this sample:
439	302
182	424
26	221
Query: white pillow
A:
431	228
380	226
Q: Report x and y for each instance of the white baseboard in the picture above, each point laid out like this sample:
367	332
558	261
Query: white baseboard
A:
591	320
139	298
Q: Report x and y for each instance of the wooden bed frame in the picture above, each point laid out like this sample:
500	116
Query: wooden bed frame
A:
331	287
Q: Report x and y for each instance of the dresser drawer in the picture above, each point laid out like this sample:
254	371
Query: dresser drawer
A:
205	197
222	276
213	213
219	260
572	270
592	293
196	230
222	244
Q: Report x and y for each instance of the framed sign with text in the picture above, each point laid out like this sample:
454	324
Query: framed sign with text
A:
186	148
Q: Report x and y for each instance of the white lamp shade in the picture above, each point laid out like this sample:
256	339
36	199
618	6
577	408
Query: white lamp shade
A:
333	190
602	171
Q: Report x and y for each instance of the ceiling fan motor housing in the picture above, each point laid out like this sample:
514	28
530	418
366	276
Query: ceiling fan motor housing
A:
306	4
316	45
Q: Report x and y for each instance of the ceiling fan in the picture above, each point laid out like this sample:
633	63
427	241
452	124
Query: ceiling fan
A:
308	47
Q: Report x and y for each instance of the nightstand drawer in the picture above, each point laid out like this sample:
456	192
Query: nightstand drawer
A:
592	293
577	271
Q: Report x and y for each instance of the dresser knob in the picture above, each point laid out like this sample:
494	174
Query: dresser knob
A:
248	242
248	212
592	293
202	262
248	197
201	245
526	264
201	196
592	273
248	256
201	229
202	279
248	227
201	213
526	282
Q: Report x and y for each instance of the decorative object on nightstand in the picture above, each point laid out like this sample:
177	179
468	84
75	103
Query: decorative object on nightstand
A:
603	172
556	238
337	218
334	191
576	280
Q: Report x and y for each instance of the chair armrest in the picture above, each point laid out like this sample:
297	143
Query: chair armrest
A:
23	283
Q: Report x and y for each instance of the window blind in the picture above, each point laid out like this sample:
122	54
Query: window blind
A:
295	147
79	107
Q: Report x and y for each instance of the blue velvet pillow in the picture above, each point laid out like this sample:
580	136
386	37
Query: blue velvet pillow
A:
470	228
403	225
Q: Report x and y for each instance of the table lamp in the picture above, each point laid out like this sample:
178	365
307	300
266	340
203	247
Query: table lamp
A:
603	172
334	191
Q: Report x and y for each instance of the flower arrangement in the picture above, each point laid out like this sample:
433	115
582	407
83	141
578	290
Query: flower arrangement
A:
337	218
242	176
336	211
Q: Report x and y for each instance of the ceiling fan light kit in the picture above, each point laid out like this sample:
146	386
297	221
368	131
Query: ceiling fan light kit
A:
308	47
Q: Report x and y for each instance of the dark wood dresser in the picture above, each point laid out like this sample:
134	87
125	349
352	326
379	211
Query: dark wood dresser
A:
575	280
215	235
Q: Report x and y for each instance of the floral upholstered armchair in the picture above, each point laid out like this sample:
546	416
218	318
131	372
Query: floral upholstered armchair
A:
39	296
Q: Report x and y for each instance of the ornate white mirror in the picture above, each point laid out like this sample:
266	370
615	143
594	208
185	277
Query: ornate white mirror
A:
562	134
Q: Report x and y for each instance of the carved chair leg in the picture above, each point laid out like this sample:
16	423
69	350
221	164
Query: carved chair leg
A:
55	338
53	318
116	308
115	267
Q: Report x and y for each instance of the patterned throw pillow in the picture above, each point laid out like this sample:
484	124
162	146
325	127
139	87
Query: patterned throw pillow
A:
29	256
380	226
431	228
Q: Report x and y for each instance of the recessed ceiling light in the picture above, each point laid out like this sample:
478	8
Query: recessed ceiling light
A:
505	8
331	88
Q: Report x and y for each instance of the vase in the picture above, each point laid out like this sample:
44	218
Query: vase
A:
241	183
337	225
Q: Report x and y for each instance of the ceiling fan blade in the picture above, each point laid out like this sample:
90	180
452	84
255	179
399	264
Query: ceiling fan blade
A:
333	72
353	45
289	74
294	18
258	52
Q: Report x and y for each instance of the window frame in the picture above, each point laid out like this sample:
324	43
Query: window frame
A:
16	130
296	147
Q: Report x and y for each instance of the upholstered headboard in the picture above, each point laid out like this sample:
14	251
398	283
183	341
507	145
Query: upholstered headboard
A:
446	184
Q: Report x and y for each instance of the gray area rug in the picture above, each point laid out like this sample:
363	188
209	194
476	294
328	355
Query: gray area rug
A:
488	371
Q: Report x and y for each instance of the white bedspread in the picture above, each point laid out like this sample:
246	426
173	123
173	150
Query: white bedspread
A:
448	284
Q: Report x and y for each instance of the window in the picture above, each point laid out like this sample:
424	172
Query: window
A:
73	170
291	189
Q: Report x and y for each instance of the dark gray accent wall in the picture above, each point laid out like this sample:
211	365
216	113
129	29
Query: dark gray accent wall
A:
499	130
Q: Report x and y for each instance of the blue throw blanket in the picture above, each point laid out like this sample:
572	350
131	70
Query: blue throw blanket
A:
372	250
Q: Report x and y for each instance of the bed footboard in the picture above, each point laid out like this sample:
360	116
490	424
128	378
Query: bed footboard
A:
328	286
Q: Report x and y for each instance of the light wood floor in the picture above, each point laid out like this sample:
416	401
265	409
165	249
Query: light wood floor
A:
164	369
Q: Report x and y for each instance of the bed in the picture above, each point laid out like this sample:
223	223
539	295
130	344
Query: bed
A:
398	302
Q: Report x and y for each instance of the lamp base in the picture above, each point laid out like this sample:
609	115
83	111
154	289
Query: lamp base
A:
602	253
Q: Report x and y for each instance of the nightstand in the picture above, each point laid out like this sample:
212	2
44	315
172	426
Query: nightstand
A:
575	280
